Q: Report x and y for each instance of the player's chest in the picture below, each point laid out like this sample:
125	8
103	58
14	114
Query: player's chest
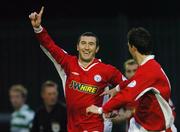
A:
86	81
94	77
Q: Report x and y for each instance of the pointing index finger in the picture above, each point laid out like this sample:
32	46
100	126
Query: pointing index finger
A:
41	11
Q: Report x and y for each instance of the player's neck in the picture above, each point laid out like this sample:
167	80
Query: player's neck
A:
140	58
85	64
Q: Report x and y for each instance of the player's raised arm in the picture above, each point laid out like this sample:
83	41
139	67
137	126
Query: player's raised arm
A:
36	18
52	50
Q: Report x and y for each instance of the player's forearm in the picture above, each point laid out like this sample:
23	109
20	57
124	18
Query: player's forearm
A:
43	37
121	85
47	42
124	84
113	103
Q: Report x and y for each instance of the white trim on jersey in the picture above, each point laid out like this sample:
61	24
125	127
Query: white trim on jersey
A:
165	107
88	67
38	30
135	127
149	57
167	111
58	67
145	91
166	78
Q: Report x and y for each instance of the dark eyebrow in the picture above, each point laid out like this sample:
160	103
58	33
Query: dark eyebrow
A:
91	43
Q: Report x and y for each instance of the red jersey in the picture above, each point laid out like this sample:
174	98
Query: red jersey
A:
82	85
150	88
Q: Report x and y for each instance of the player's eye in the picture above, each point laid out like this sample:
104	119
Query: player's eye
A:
91	43
129	71
83	42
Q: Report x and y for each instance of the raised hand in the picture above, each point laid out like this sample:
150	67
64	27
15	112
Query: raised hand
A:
36	18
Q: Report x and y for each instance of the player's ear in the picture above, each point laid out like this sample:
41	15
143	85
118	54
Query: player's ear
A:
77	47
134	48
97	49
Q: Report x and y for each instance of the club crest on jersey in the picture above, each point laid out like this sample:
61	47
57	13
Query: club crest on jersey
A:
97	78
132	84
83	87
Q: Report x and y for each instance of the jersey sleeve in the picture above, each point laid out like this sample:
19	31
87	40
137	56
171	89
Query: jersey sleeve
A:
129	93
116	76
50	48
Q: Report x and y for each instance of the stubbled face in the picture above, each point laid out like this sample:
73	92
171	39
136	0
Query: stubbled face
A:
16	99
50	96
130	70
87	48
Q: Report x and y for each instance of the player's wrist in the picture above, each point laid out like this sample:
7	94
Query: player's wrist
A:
38	29
100	110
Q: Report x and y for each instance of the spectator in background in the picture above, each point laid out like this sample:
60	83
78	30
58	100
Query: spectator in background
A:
21	118
120	122
51	117
130	67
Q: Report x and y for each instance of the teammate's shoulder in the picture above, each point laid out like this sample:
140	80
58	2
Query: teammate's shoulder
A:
153	65
73	57
105	65
100	61
110	66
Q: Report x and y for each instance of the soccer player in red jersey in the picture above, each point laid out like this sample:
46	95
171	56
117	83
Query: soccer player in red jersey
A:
84	77
150	87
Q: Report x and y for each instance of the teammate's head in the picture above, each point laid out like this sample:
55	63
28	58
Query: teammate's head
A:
17	94
139	39
49	93
130	67
87	46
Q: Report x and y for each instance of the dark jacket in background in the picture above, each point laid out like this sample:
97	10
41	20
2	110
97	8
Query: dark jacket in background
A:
54	121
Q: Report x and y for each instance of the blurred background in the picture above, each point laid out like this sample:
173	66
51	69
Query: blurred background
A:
22	61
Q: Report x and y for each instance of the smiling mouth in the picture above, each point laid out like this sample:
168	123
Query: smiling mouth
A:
86	53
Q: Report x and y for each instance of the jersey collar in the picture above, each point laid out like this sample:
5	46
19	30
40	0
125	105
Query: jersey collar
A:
149	57
95	62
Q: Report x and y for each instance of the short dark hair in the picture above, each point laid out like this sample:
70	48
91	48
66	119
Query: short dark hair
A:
91	34
48	83
141	39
